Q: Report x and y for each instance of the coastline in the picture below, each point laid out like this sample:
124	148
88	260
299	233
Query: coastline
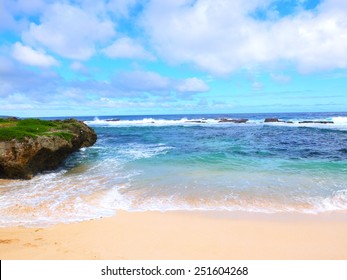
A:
183	235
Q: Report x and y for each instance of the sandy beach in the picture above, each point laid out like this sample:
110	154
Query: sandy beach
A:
183	236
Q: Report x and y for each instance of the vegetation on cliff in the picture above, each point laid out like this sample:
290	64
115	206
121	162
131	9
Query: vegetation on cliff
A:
12	128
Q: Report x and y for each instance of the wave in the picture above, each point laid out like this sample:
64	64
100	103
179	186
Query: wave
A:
149	122
78	192
138	201
339	122
53	199
139	151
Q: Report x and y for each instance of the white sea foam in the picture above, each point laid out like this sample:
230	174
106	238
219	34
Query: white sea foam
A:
173	203
339	123
336	202
339	120
98	190
83	192
138	151
59	197
55	198
151	122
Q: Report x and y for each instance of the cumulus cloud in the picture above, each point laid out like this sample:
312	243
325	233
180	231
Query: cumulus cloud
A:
29	56
79	67
146	81
5	65
224	36
14	14
21	88
70	31
127	48
280	78
20	85
121	7
7	21
31	7
141	81
192	85
219	37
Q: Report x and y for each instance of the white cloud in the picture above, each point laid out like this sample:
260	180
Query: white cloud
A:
146	81
222	36
257	85
49	94
31	7
192	85
6	65
36	86
280	78
7	21
121	7
29	56
79	67
141	81
127	48
70	31
14	14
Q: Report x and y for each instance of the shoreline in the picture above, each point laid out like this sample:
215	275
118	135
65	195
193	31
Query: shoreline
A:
184	235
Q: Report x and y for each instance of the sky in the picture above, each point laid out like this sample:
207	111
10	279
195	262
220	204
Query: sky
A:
143	57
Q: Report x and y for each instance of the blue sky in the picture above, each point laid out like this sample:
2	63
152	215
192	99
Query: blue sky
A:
126	57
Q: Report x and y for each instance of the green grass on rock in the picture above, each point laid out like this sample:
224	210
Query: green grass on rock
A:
32	128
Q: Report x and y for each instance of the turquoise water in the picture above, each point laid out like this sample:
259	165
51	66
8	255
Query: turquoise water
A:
168	163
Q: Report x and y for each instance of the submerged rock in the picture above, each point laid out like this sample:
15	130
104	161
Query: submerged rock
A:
27	154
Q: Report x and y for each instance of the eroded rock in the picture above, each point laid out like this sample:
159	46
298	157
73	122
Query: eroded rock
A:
23	158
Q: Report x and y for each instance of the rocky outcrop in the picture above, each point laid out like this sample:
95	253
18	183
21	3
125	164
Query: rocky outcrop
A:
195	121
233	120
113	120
22	159
272	120
320	122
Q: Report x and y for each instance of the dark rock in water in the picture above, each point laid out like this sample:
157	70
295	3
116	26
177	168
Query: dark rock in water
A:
113	120
233	120
321	122
224	120
240	121
272	120
289	122
22	158
195	121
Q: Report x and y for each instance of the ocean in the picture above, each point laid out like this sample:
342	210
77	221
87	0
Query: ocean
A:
190	162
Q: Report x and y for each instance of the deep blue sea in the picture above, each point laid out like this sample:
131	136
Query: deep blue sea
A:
190	162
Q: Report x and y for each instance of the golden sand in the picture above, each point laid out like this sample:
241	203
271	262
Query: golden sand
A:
183	235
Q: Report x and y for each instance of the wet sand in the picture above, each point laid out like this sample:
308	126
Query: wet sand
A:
182	236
